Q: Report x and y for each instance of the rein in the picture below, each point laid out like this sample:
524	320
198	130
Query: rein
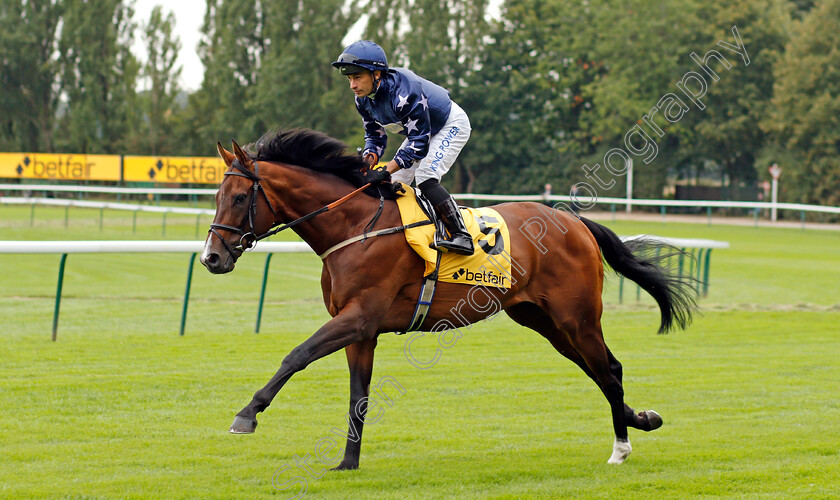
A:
249	239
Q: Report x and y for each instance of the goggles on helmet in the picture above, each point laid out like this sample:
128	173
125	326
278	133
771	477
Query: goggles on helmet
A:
346	58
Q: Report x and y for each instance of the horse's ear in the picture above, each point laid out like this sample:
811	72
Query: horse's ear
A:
241	155
226	155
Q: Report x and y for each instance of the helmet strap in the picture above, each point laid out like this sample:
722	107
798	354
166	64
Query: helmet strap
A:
375	82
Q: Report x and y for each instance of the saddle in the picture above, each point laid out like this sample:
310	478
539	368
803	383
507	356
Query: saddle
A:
490	265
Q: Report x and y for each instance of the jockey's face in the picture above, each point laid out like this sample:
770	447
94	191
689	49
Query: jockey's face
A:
361	83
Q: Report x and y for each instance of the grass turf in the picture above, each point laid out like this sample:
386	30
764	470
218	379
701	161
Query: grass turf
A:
123	407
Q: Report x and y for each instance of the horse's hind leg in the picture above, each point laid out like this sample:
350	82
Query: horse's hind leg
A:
591	354
647	420
589	343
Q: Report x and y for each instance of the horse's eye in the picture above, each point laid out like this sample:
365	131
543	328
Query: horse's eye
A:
239	199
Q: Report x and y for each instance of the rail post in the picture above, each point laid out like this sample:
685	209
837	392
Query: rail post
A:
680	262
691	263
187	293
706	272
262	292
699	268
58	295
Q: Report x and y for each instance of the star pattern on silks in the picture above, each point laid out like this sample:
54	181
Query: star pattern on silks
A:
424	101
381	131
411	145
411	125
403	101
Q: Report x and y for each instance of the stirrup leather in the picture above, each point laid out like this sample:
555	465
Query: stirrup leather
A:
459	240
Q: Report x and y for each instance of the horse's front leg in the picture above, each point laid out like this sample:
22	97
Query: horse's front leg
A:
348	327
360	362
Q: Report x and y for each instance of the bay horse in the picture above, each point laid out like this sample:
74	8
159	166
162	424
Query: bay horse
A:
291	175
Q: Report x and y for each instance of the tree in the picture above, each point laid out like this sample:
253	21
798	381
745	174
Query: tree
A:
524	99
231	50
804	121
728	131
440	40
29	34
801	7
640	49
267	66
297	86
99	75
161	75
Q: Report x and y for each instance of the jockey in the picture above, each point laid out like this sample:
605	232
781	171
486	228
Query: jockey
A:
397	100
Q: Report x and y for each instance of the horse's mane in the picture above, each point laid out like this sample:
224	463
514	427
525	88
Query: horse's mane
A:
309	149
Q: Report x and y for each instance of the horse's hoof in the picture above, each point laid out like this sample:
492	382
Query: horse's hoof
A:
242	425
654	419
621	450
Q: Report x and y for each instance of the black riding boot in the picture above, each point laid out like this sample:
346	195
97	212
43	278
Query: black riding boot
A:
459	240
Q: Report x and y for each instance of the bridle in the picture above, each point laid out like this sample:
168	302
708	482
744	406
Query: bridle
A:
248	238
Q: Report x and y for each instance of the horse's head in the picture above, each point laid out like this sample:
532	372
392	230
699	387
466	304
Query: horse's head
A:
243	211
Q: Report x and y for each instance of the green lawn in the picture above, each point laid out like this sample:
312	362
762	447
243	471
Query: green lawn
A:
121	406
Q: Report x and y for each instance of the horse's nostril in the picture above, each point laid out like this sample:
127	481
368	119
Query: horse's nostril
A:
212	260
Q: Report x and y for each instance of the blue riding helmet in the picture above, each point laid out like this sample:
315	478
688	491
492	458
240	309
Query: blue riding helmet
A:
360	56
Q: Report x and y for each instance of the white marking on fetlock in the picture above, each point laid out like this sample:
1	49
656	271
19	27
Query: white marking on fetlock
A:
621	450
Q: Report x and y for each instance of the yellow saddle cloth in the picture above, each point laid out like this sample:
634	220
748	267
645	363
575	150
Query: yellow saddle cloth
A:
488	266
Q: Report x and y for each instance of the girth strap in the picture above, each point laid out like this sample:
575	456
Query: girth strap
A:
424	303
427	289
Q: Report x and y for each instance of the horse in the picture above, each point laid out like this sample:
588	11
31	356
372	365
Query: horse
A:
289	177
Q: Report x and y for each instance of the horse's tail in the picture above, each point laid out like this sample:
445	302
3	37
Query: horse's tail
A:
639	260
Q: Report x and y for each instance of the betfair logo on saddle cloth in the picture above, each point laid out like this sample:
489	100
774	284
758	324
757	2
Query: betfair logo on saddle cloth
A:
487	266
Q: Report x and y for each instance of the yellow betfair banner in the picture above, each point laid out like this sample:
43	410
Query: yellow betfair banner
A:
60	167
175	169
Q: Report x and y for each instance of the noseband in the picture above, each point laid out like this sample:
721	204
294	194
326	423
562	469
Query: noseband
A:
248	238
